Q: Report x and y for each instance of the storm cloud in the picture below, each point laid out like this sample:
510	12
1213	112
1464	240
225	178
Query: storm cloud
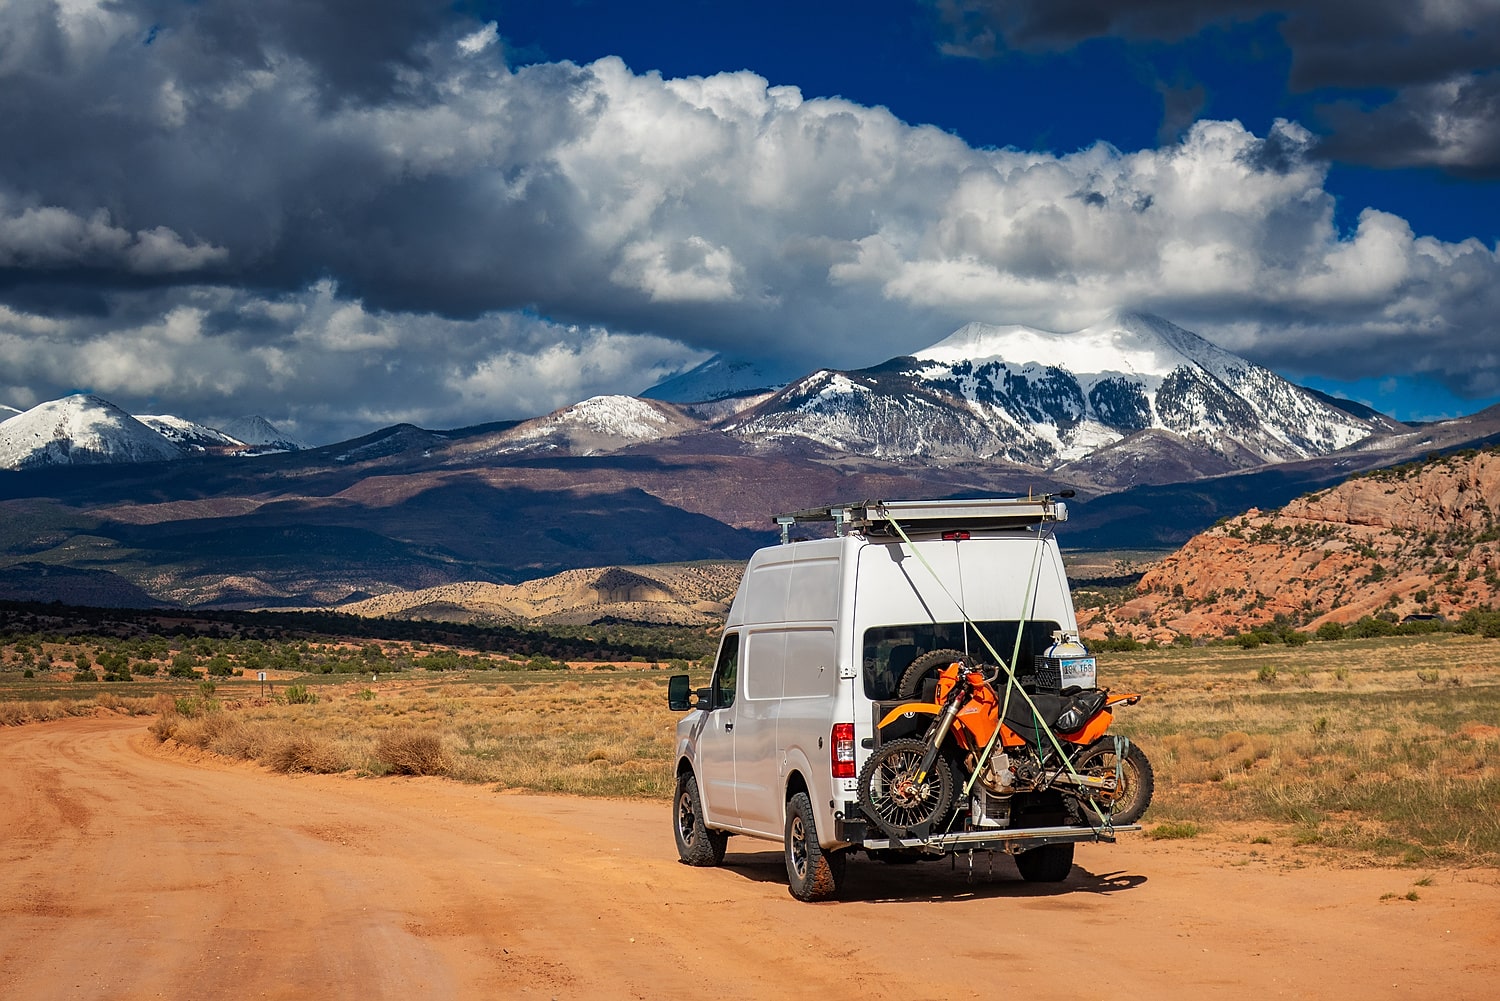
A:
1419	76
342	220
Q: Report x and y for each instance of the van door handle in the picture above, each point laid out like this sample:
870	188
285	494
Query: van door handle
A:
728	727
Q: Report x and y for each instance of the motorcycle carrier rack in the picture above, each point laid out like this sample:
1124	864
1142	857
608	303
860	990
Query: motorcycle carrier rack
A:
1010	840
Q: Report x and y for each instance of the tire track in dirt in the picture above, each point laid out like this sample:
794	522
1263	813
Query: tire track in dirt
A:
135	873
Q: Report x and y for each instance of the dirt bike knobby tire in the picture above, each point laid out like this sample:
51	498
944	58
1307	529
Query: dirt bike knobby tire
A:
928	806
1139	780
929	664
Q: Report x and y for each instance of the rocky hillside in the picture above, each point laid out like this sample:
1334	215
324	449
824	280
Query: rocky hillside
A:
1420	539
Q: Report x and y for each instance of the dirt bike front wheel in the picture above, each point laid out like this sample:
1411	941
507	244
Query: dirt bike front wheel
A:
902	803
1137	781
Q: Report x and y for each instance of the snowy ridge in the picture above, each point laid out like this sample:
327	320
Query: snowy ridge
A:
79	430
197	437
1045	398
716	379
597	425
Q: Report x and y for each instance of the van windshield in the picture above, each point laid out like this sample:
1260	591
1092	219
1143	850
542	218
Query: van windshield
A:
889	650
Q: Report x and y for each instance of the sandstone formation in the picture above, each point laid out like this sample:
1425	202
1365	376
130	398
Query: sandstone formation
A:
1420	539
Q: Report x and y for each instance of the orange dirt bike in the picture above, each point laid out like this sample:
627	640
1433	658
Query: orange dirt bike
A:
1053	763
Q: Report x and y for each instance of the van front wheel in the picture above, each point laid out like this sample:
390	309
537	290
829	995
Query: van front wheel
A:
696	843
811	872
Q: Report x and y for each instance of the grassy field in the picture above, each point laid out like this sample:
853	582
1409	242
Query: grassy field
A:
1381	748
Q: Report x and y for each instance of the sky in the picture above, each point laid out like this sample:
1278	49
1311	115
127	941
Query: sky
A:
349	214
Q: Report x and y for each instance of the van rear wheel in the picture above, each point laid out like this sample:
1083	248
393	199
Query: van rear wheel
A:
1047	864
696	843
811	872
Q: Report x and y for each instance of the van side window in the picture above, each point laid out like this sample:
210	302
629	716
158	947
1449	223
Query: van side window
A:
727	671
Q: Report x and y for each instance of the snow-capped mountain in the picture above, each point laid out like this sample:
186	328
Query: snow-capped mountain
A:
263	435
716	379
598	425
1045	399
195	437
6	413
79	430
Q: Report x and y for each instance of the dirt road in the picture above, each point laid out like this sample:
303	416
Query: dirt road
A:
126	872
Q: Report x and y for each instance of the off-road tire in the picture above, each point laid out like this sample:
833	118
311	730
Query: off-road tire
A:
812	873
927	665
697	844
1135	775
923	808
1047	864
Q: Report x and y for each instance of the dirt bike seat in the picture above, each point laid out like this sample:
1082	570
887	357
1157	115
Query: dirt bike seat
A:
1061	713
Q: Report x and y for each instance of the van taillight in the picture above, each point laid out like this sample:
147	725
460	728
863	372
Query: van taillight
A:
955	536
843	750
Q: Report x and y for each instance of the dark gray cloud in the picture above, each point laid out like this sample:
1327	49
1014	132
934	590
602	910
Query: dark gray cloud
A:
210	222
1434	60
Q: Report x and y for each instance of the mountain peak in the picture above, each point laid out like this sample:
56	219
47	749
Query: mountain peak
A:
1047	398
78	430
718	378
1122	343
257	431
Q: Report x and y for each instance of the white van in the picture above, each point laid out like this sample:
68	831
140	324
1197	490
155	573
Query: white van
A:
816	644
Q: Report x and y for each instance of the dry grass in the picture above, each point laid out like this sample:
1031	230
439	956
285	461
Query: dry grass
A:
14	712
407	751
1353	748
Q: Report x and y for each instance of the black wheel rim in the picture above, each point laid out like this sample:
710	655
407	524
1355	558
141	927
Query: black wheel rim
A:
687	820
798	847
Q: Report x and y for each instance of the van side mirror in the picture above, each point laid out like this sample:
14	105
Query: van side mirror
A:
678	690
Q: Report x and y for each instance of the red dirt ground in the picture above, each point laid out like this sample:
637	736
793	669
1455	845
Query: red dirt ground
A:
129	872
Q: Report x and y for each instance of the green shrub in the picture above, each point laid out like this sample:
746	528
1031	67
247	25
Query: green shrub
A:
299	695
1370	627
1175	829
1330	631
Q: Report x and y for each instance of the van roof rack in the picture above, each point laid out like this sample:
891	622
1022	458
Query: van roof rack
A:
877	517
